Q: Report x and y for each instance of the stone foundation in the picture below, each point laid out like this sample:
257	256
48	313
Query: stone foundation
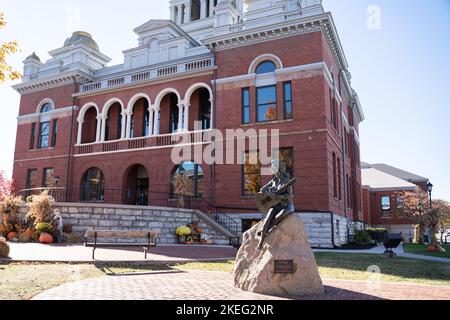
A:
165	221
318	227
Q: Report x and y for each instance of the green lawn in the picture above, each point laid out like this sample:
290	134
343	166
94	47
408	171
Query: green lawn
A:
347	266
423	249
24	281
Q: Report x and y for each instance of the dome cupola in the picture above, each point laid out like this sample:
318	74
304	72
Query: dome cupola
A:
81	37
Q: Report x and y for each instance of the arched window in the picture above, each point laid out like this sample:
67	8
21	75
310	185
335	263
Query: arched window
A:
189	176
47	107
44	126
93	186
266	67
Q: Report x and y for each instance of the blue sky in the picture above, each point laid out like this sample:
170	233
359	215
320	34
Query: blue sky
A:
401	70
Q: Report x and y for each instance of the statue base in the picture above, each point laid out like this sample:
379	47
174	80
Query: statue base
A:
284	266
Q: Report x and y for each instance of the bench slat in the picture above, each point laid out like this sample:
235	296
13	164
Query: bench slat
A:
120	234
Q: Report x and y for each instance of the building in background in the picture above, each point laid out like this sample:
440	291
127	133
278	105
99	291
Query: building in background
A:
383	186
104	134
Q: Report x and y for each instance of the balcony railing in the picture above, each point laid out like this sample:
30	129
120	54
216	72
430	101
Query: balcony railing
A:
149	74
154	142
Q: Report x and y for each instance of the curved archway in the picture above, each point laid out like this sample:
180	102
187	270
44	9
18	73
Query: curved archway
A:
88	124
163	93
92	186
198	108
265	57
169	111
48	103
194	87
137	183
139	116
86	107
189	177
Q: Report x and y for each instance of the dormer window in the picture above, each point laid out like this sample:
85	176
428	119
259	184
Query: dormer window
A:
266	67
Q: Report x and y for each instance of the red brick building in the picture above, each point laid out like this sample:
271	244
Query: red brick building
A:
383	186
104	133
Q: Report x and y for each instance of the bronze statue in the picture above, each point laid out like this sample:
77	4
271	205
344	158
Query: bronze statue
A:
276	199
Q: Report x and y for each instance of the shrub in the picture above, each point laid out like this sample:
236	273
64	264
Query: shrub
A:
378	234
4	248
362	237
11	205
40	209
44	227
183	231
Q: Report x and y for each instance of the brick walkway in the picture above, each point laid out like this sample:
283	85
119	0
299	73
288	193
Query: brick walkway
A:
33	252
203	285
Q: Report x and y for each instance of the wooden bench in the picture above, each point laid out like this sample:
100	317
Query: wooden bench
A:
94	235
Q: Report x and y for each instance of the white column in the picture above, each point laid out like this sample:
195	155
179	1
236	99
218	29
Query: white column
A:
172	13
202	9
186	117
213	120
187	13
128	126
80	131
103	132
99	128
211	8
151	112
157	121
180	116
123	121
180	14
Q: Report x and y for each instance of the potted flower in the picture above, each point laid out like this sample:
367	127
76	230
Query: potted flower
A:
182	233
45	231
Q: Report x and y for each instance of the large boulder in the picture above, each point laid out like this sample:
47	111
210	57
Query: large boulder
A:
255	269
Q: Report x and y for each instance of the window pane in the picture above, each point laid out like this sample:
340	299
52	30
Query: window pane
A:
32	179
286	155
266	67
245	106
267	95
55	132
252	174
93	186
288	110
287	100
287	91
44	134
46	108
386	203
49	180
193	179
267	107
267	113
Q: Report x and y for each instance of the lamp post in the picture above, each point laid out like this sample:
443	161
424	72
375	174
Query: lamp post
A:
430	190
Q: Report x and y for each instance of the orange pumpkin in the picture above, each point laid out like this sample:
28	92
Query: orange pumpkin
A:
11	235
46	238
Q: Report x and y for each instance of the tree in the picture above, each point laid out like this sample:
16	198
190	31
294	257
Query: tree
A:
417	205
6	49
5	186
414	206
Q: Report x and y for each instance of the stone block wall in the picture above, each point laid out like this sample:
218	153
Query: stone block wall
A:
165	221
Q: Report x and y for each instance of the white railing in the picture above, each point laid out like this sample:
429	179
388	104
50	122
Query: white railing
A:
152	142
150	74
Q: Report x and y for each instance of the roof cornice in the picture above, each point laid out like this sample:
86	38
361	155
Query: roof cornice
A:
52	82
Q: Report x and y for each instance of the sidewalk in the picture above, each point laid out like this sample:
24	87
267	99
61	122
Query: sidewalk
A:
380	250
207	285
33	252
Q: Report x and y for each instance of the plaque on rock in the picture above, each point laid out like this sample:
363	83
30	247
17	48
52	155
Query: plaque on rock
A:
284	266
